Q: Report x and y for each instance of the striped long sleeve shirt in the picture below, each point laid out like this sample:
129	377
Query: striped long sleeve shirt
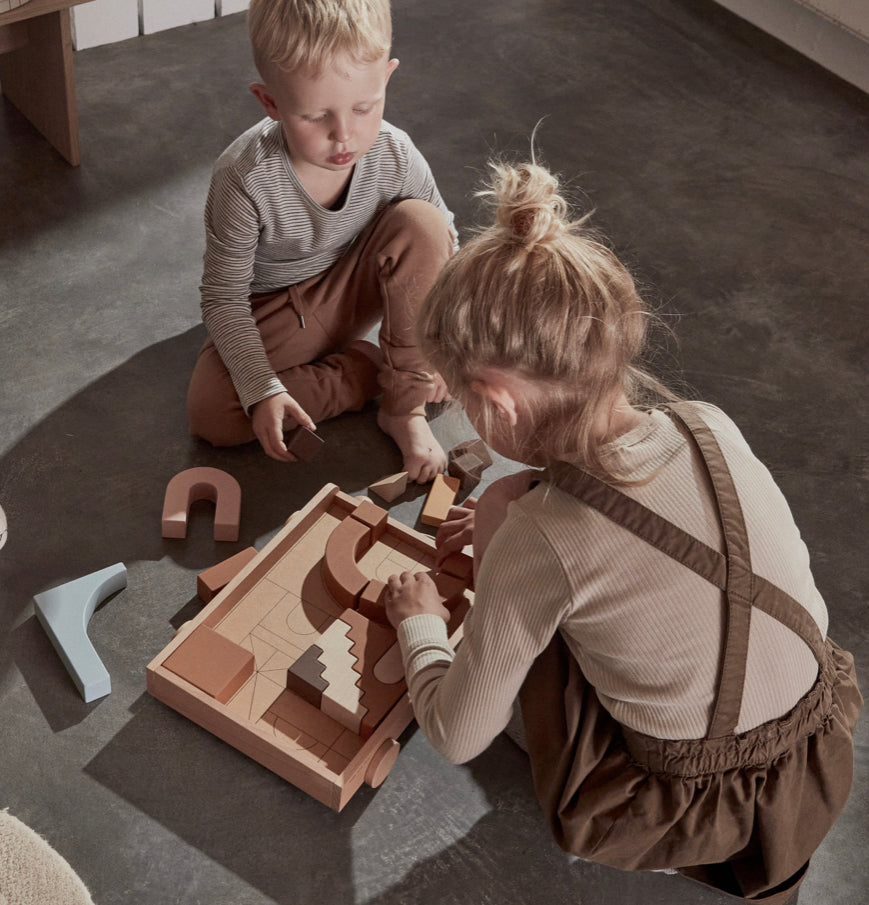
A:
264	233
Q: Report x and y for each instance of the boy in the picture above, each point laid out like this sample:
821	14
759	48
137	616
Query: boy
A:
321	220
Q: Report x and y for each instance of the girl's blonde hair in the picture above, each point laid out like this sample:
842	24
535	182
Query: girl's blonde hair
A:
538	296
307	35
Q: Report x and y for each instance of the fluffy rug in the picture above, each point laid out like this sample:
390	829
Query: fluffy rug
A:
32	872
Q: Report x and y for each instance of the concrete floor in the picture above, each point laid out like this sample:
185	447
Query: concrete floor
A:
732	175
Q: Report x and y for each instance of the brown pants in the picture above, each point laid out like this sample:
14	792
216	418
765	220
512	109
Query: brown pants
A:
384	277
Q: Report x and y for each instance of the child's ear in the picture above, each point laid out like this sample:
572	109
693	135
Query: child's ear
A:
264	96
391	66
501	396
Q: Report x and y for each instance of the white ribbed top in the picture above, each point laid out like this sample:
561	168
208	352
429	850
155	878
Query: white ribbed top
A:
264	232
646	631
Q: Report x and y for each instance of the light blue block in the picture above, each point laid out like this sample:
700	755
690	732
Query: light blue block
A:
65	612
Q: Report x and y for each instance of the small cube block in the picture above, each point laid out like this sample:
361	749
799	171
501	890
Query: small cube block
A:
440	498
212	581
372	515
468	468
212	663
303	443
475	446
372	602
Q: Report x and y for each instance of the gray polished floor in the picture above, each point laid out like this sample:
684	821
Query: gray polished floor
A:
730	173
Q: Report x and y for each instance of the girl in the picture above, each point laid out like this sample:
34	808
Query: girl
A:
645	595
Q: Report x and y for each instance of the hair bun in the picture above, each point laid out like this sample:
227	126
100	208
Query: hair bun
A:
530	211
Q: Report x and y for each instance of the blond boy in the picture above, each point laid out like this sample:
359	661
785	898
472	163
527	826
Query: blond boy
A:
321	220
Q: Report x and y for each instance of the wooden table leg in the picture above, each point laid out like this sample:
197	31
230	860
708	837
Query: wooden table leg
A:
37	77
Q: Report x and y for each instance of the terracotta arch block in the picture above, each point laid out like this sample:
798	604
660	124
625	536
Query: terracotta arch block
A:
202	483
349	541
343	578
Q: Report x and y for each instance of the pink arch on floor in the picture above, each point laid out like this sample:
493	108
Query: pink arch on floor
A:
202	483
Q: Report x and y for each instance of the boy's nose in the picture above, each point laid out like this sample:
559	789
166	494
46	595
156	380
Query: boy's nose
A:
341	130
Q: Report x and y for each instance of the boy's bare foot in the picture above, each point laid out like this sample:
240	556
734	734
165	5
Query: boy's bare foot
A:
423	456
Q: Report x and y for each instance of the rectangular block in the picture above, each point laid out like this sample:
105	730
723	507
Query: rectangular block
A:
440	498
212	663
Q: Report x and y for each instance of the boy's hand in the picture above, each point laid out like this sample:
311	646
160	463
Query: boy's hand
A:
456	531
413	594
268	417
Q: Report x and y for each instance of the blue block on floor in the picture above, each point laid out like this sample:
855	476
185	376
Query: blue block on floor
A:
64	613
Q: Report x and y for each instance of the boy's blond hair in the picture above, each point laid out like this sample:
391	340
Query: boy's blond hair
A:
537	295
307	35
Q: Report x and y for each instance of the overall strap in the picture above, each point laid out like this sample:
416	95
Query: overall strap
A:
739	586
730	572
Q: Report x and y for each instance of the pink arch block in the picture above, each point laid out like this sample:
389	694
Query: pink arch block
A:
202	483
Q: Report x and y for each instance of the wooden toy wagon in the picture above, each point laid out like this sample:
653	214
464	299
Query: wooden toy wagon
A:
294	662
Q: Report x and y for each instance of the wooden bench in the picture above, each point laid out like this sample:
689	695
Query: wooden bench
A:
36	70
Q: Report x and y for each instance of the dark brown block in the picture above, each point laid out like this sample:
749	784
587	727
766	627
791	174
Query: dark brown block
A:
305	676
303	443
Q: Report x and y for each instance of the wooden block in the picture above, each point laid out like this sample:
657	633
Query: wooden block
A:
212	663
341	575
64	613
187	487
390	487
468	468
440	498
304	443
450	588
305	676
372	515
342	696
372	602
210	582
476	447
461	565
371	642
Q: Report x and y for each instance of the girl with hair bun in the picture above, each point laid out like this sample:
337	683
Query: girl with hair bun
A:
642	589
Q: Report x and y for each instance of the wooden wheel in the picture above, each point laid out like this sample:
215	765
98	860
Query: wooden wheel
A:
381	763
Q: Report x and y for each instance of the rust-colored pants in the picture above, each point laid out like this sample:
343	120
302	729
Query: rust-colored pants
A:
383	276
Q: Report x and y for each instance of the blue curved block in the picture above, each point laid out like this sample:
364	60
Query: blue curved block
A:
65	611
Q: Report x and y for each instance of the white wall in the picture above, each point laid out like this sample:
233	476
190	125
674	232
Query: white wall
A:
106	21
834	33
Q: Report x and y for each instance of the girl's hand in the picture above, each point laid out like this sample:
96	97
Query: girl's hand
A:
438	391
268	417
413	594
456	531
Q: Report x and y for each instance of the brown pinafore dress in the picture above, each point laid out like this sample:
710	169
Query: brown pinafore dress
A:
742	813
